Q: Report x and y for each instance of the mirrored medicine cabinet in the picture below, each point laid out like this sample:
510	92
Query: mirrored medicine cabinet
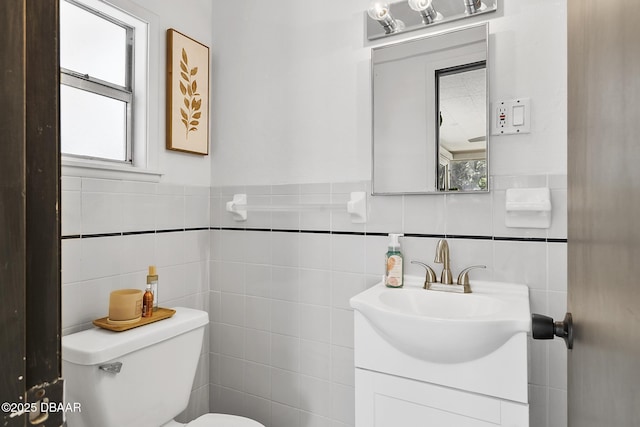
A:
429	111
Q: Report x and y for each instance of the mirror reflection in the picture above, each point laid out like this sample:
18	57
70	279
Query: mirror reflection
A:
462	130
429	112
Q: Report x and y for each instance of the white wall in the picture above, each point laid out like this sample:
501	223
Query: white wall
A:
291	92
529	59
291	123
291	99
137	215
193	18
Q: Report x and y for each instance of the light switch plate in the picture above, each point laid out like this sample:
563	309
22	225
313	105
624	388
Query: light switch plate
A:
511	117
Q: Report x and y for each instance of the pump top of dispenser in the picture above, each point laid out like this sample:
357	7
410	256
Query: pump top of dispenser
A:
394	243
152	270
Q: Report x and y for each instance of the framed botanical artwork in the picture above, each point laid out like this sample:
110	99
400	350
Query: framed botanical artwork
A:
187	94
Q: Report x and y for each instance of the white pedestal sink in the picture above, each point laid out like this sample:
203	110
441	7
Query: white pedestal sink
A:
452	359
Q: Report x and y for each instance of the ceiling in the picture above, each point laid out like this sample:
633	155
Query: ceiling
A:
463	107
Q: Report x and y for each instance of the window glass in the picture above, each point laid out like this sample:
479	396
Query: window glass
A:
92	125
105	50
468	175
93	45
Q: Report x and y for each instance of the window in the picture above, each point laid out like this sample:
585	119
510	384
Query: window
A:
104	87
468	175
97	93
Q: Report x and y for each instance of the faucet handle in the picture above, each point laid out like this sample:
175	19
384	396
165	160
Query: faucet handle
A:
463	277
430	276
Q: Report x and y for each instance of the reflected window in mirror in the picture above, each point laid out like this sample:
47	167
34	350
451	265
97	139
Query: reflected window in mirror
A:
462	127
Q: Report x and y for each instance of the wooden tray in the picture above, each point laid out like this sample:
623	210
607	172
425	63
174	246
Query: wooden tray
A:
161	314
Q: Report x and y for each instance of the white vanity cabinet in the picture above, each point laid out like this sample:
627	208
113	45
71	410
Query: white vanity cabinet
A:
384	400
395	389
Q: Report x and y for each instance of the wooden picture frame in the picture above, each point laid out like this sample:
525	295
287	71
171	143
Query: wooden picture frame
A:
187	94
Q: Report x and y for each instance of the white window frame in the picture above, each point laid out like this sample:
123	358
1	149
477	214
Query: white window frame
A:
142	140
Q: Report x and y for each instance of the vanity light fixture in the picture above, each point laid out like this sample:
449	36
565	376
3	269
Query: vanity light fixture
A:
379	11
388	18
426	9
473	6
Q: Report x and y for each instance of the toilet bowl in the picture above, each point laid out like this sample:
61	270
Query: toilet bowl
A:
141	377
215	420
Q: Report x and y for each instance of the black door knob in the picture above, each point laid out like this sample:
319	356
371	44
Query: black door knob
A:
544	328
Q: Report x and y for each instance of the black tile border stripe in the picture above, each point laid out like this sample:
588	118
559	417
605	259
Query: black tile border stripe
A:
382	234
92	236
314	231
521	239
283	230
135	233
468	237
379	234
172	230
70	237
338	233
348	233
553	240
196	229
427	236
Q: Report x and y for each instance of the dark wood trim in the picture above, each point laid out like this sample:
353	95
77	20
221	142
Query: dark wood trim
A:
43	320
29	219
43	189
12	205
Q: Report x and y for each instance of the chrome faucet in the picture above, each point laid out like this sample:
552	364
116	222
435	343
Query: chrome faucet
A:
442	257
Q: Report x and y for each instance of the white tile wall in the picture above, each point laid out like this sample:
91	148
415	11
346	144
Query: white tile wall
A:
296	354
93	266
280	343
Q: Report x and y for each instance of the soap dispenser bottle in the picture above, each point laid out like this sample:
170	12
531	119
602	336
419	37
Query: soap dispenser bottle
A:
394	265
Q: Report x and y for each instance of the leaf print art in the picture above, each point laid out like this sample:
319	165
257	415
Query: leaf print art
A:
192	99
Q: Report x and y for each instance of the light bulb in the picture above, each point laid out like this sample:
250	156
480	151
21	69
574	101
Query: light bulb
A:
378	10
419	5
474	6
424	7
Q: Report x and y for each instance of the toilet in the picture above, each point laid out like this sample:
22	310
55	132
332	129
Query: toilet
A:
141	377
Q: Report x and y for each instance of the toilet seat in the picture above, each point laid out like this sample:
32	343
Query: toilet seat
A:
223	420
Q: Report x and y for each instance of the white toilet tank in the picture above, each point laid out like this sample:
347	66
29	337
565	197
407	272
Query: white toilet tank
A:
153	386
